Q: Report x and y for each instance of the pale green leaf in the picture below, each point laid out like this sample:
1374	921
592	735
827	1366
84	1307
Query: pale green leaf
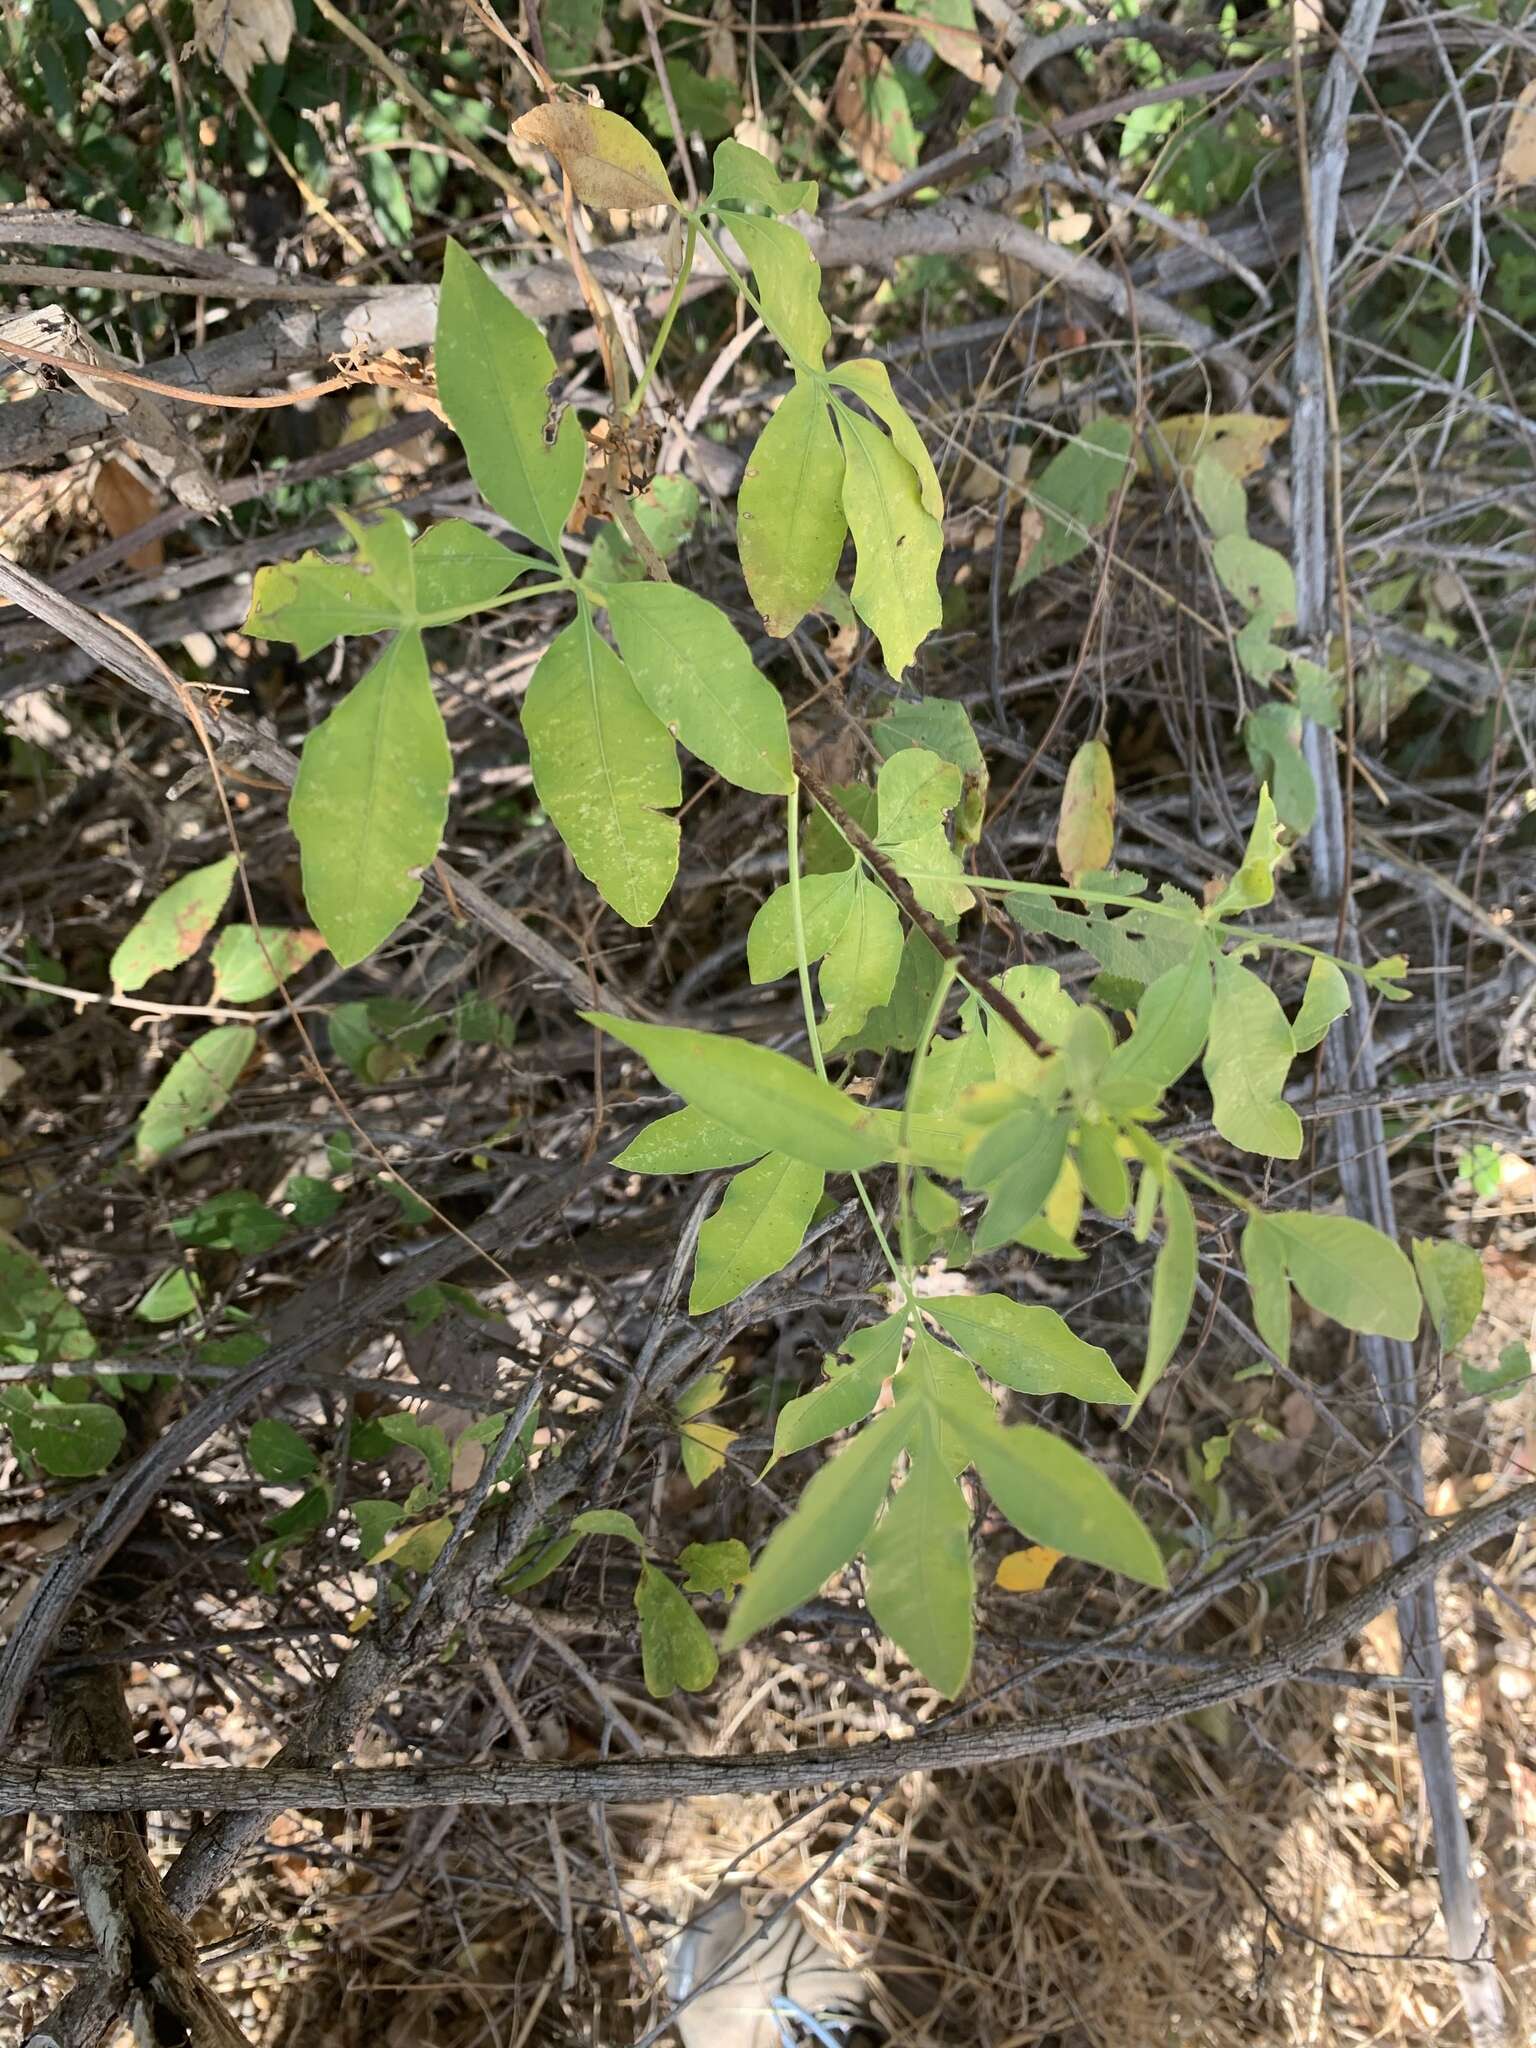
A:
1219	495
194	1091
1272	736
1246	1063
608	161
714	1567
1028	1347
604	767
917	791
1172	1025
1105	1180
744	177
608	1522
790	520
429	1443
848	1393
166	1300
666	514
1268	1285
702	1446
1173	1285
687	1141
1073	495
826	903
313	601
694	671
1055	1496
859	970
371	800
1350	1272
920	1583
828	1524
1512	1372
249	961
1451	1276
278	1453
899	542
788	281
460	567
761	1094
1254	883
1324	1000
1259	577
871	381
174	926
942	727
1017	1163
494	370
757	1229
675	1650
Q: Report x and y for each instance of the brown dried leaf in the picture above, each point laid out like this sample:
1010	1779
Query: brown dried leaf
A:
609	163
240	34
1517	161
124	504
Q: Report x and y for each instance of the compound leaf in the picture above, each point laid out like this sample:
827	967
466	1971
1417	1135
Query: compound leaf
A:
1028	1347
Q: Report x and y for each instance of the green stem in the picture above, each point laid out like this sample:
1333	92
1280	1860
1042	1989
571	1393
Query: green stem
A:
447	618
808	1004
663	333
947	979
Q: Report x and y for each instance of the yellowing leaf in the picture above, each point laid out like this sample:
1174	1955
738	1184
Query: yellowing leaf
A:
174	926
788	281
1085	830
703	1446
1239	441
1027	1571
609	163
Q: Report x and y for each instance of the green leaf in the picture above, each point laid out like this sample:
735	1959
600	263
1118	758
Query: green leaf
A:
376	1520
383	1036
1073	496
744	177
826	903
1323	1002
1264	1264
1056	1496
694	671
871	381
174	926
609	1522
1508	1377
571	31
194	1091
942	727
68	1439
706	106
1028	1348
494	370
759	1226
235	1221
760	1094
1173	1286
675	1650
790	520
920	1584
428	1441
899	542
278	1453
860	967
687	1142
1172	1022
1272	736
917	792
1017	1163
608	162
1451	1276
828	1524
1105	1180
418	1549
848	1393
1351	1273
788	280
39	1324
604	767
371	801
249	961
665	513
897	1025
1246	1064
715	1567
